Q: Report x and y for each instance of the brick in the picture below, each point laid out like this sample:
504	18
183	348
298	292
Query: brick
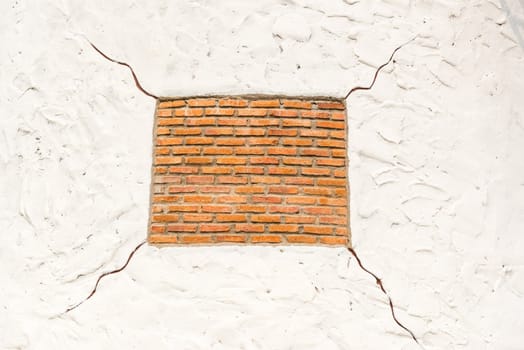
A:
300	219
337	134
163	131
232	122
342	231
333	220
157	229
163	239
334	240
215	228
167	179
257	228
200	121
231	160
198	160
263	160
331	182
218	150
266	141
266	239
220	111
230	102
250	132
232	179
318	211
249	150
283	189
231	217
249	189
301	200
302	123
232	199
201	102
216	170
199	140
187	131
157	209
297	161
315	171
159	151
283	228
266	199
265	179
165	199
231	238
160	170
287	151
215	189
217	208
165	218
297	142
182	189
315	152
330	162
340	211
301	239
298	181
169	141
230	141
321	191
168	160
331	143
189	112
198	198
249	170
197	217
265	218
219	131
321	230
285	209
339	153
196	239
288	113
182	227
265	103
338	116
314	133
183	207
251	208
164	113
282	132
252	112
264	122
339	173
200	179
332	201
315	114
330	125
186	150
296	104
282	171
171	104
170	121
330	105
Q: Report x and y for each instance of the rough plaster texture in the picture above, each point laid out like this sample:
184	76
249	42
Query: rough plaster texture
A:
436	169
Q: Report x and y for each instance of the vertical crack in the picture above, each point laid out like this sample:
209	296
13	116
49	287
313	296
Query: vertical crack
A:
104	275
137	83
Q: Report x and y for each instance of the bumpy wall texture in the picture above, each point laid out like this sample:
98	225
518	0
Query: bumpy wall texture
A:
249	170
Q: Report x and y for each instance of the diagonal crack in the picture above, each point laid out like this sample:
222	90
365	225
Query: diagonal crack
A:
137	83
356	88
104	275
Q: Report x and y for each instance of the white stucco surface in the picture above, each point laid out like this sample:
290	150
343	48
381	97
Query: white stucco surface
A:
436	175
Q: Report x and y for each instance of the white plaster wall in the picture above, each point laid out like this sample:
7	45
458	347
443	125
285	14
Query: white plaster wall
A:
437	175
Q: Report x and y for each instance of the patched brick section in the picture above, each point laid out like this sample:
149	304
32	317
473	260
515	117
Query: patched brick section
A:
250	170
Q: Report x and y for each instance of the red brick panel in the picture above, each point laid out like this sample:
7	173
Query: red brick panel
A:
233	170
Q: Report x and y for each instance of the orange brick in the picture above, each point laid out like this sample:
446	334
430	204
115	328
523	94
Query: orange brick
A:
297	142
182	227
202	102
300	219
219	131
230	141
164	113
189	112
220	111
340	173
187	131
165	199
249	189
343	231
215	228
334	240
282	132
200	121
264	122
198	198
218	150
301	200
296	104
340	220
338	116
199	179
331	162
186	150
168	160
313	133
163	131
160	170
249	170
338	153
338	134
297	161
298	181
168	141
196	239
265	218
315	114
265	179
232	179
251	112
215	189
249	150
158	229
231	238
250	208
266	239
283	228
183	207
266	141
263	160
165	218
231	218
230	102
283	189
171	104
321	230
167	179
250	132
265	103
198	160
316	171
322	191
199	140
318	210
163	239
288	113
332	201
287	209
282	171
198	217
159	151
330	125
301	239
288	151
182	189
330	105
231	160
157	209
315	152
257	228
231	199
216	170
232	122
217	208
266	199
331	182
296	123
170	121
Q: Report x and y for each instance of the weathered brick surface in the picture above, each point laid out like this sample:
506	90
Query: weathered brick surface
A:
239	170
